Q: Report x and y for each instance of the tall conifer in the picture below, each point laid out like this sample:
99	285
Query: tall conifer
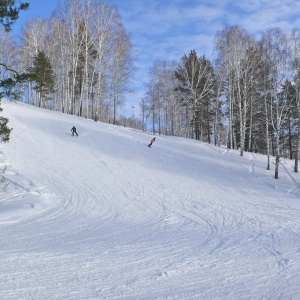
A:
44	79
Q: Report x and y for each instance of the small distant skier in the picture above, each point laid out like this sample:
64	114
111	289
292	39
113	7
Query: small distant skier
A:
152	141
73	130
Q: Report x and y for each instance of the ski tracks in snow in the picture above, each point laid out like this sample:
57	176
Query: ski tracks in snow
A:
179	220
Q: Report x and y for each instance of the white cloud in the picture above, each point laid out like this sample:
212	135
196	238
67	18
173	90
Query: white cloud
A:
256	16
167	30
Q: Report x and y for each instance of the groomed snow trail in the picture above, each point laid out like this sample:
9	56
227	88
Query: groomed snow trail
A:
102	216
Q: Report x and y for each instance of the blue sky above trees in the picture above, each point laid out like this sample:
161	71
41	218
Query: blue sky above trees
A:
168	29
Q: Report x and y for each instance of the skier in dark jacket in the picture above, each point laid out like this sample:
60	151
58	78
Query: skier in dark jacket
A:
152	141
73	130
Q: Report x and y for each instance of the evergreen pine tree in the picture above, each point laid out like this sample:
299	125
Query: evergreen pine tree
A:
44	77
9	13
4	130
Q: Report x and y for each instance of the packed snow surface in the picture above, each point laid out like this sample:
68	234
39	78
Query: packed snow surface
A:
102	216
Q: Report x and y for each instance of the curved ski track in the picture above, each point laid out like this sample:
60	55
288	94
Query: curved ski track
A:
108	218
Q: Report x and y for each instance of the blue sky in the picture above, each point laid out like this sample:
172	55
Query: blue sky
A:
168	29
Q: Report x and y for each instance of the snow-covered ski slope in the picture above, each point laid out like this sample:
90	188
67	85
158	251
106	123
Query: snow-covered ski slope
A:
102	216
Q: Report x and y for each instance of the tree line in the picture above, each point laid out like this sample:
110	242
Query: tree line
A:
247	99
80	60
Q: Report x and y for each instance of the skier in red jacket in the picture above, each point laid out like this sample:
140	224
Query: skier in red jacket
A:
152	141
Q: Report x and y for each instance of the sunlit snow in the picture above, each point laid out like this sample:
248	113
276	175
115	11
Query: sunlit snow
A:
102	216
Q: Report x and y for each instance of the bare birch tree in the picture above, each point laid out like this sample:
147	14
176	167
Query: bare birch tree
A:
196	77
233	45
9	61
34	38
295	67
275	43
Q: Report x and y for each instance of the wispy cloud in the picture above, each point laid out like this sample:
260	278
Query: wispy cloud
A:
256	16
168	29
